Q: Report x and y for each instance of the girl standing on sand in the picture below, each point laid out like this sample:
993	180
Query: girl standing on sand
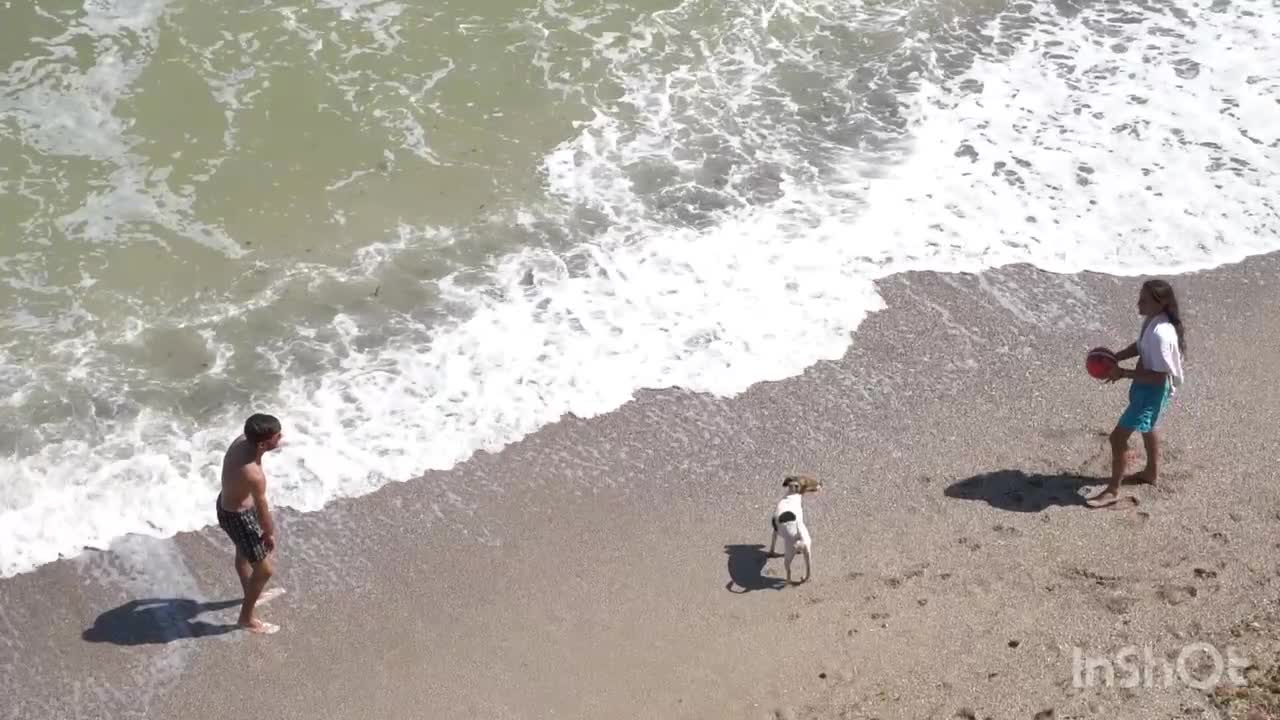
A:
1157	377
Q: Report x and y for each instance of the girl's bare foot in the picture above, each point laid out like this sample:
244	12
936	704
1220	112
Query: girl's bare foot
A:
1111	499
1106	498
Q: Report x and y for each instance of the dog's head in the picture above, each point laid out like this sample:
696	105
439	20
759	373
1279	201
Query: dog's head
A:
801	484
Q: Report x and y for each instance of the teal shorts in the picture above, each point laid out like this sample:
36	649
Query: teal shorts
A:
1146	403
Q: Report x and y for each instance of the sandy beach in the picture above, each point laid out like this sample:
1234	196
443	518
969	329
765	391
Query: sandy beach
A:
619	574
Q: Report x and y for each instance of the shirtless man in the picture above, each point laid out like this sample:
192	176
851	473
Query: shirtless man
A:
244	515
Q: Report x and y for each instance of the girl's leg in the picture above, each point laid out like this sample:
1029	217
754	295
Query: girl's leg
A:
1151	441
1119	447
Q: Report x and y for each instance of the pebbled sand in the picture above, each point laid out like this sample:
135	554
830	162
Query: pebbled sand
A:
619	574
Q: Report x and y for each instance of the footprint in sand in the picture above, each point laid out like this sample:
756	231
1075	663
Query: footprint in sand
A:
1006	530
915	572
971	544
1119	604
1176	594
1138	519
1077	573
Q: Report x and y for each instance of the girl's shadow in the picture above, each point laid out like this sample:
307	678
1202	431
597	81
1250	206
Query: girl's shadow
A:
745	564
1017	491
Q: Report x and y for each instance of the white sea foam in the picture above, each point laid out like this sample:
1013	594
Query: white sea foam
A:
1091	145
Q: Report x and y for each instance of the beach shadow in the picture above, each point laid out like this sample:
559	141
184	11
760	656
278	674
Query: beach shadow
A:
745	564
155	621
1017	491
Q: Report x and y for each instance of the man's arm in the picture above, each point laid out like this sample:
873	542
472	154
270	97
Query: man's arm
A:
1129	352
258	488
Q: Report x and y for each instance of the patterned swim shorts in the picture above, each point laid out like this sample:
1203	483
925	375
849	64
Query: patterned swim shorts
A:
243	529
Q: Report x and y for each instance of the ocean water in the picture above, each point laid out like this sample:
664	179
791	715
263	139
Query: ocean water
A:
416	231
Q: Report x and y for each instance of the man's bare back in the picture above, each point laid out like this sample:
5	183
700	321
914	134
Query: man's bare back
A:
241	471
244	515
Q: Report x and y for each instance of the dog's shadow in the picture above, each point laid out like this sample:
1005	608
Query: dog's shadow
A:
745	565
1018	491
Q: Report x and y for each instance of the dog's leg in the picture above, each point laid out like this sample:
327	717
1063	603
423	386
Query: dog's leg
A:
806	545
791	553
774	540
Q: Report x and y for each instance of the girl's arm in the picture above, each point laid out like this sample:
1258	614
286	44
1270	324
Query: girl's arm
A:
1129	352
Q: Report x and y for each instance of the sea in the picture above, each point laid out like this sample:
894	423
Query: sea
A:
416	231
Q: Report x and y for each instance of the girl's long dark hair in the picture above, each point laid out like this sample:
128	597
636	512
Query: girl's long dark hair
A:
1162	293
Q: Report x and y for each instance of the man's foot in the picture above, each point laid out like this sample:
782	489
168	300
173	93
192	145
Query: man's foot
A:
257	626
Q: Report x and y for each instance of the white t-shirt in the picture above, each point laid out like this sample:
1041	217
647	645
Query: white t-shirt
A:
1158	348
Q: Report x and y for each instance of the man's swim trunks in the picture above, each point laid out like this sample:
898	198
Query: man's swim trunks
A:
243	529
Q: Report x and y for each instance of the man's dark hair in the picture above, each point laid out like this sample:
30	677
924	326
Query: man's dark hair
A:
260	428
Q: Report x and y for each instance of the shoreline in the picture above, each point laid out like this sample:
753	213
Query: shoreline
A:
1240	256
616	573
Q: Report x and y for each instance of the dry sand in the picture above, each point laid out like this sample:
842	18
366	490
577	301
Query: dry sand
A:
619	574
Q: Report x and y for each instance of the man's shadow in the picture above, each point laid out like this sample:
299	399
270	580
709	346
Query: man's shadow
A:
745	564
1017	491
154	621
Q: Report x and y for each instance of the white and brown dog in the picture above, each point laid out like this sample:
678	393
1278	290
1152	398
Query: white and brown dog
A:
788	521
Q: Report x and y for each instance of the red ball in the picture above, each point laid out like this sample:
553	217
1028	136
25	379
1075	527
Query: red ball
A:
1099	362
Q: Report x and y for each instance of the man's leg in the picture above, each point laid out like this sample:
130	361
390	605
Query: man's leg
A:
244	570
262	571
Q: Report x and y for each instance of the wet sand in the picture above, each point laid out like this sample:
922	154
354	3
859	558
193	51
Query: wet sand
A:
619	575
